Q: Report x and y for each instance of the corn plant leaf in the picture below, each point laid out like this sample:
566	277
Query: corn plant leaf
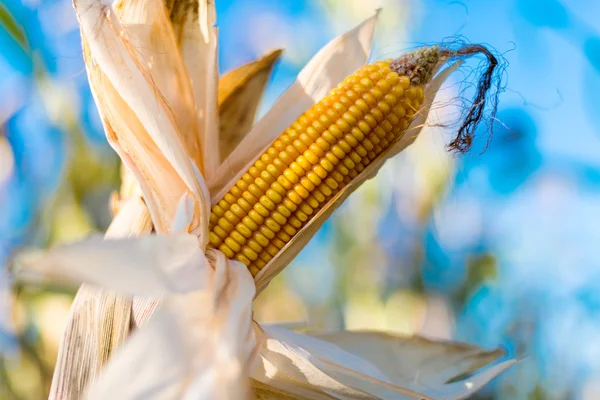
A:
150	33
432	362
311	368
194	22
10	25
299	241
195	346
99	320
369	365
338	59
138	122
240	92
142	266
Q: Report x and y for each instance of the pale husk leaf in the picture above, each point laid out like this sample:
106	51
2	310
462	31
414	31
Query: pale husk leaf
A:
310	368
150	33
195	346
138	266
293	247
338	59
193	22
137	120
99	319
373	366
414	361
240	92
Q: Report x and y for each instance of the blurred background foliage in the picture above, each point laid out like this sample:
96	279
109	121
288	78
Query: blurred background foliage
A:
498	248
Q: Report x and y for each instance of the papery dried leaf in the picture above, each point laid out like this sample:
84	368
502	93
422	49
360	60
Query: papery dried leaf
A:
99	320
142	266
156	354
240	92
196	346
414	361
150	33
98	324
299	241
371	366
339	58
185	214
311	368
137	120
157	178
196	34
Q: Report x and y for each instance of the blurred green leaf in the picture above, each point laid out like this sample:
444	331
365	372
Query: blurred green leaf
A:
8	22
480	268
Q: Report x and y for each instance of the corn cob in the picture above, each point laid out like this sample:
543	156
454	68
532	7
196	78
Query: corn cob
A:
317	156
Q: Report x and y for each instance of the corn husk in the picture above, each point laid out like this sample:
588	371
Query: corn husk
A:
240	92
196	346
150	34
99	320
136	116
196	34
158	261
203	344
371	365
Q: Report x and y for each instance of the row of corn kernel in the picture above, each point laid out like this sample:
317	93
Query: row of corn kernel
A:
252	254
278	159
303	124
348	175
336	153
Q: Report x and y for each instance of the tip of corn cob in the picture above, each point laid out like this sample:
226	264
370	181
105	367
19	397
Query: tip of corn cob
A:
420	65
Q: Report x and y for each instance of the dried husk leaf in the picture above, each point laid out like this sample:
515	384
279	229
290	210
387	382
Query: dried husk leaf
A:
368	365
196	346
124	131
432	362
150	33
193	22
311	368
338	59
138	122
240	92
99	318
139	266
301	239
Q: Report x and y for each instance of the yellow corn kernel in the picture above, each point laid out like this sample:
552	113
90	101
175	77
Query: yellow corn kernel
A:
312	160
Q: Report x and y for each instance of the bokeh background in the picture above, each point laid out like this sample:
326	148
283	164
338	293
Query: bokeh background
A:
498	248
